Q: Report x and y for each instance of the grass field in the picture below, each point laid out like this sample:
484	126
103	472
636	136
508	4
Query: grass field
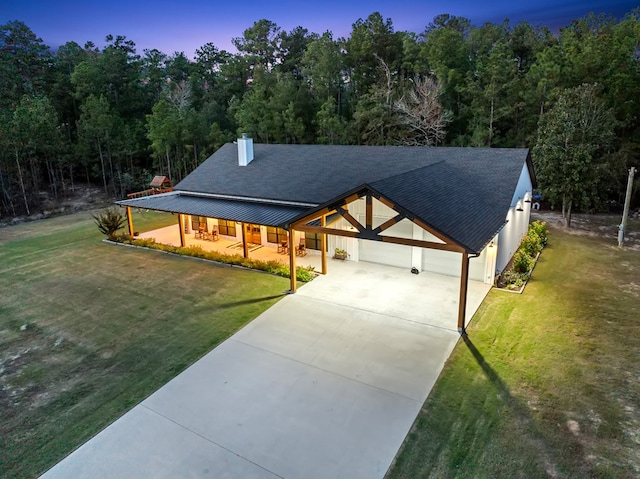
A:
547	383
88	329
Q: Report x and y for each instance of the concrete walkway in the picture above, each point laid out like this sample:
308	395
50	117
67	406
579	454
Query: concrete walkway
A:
324	384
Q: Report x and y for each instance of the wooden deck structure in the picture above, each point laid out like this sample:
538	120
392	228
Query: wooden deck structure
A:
159	184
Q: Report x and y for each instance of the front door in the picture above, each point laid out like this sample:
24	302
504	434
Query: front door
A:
253	234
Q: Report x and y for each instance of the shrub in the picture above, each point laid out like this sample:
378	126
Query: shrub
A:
513	278
524	257
540	229
144	242
522	262
109	222
304	274
531	244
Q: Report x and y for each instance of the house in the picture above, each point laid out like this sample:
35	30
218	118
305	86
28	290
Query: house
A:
453	211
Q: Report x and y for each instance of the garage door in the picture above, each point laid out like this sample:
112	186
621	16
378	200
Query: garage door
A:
441	262
388	253
385	253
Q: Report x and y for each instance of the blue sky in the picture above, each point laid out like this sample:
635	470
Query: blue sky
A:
173	25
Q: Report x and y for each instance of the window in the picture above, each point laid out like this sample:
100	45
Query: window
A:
227	228
276	235
313	241
198	222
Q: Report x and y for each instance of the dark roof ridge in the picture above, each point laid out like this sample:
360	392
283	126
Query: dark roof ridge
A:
418	168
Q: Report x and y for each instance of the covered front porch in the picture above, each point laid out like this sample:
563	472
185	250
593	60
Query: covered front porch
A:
230	245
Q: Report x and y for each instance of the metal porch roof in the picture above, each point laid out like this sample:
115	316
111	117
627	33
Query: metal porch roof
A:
232	210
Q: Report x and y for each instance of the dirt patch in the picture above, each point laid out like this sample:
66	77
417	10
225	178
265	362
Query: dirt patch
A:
82	198
597	225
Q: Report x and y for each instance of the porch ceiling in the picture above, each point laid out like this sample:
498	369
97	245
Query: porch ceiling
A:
232	210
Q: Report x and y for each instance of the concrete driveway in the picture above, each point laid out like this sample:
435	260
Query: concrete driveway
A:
324	384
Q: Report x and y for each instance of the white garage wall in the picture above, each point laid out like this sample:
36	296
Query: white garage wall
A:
350	245
385	253
448	263
517	222
357	207
483	267
388	253
402	229
477	266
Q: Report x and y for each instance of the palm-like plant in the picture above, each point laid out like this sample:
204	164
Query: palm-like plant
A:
109	222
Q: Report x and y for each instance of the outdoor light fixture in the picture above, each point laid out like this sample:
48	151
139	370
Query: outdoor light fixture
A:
491	244
519	205
527	197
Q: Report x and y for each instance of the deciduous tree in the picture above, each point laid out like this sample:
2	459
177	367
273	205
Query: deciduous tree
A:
572	140
420	112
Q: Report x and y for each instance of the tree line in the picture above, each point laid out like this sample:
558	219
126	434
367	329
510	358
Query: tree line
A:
115	117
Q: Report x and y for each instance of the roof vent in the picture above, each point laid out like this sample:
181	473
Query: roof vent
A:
245	150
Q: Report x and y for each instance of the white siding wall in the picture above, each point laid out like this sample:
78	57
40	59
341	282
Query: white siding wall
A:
350	245
517	222
477	266
482	268
389	253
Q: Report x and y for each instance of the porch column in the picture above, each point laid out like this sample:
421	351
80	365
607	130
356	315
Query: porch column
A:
292	260
323	244
245	246
462	300
130	221
183	242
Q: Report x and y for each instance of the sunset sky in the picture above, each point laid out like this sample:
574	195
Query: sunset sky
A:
172	25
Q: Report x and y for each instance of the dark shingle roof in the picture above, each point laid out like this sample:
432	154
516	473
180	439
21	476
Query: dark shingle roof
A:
464	193
306	173
247	212
449	201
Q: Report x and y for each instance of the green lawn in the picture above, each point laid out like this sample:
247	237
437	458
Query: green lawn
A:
547	383
88	329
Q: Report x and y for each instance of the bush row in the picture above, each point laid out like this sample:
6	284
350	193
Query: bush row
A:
524	257
304	274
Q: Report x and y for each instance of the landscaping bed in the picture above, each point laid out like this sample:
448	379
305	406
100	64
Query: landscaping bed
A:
303	273
518	272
